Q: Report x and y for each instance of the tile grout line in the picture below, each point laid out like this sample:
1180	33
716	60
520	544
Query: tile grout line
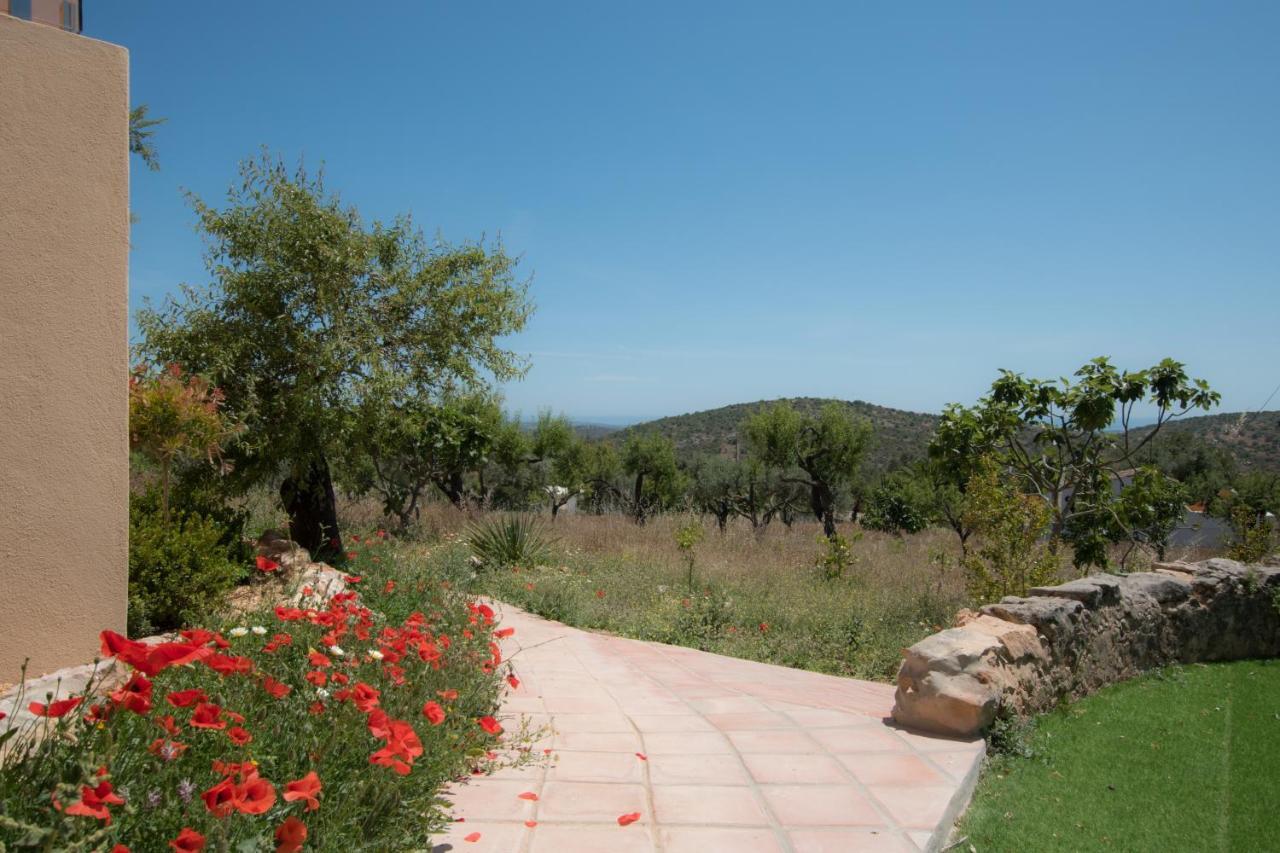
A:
779	830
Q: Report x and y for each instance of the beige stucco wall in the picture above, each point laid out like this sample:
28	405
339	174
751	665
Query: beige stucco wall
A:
64	232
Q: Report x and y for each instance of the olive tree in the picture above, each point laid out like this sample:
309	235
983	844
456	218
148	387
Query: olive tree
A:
311	311
821	454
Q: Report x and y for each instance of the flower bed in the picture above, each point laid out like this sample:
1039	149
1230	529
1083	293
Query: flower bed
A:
330	728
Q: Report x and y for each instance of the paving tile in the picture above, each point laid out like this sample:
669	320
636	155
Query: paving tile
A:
491	799
860	739
589	802
914	806
749	721
686	743
707	804
821	805
596	767
697	770
848	841
598	741
956	764
800	768
591	723
685	722
494	838
691	839
597	838
892	768
774	742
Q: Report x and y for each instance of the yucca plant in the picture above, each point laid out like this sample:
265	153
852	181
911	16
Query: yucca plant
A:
505	541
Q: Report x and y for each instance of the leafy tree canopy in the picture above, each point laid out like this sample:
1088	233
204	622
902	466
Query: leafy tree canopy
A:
312	315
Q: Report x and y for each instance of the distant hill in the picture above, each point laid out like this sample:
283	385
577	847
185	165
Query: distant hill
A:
594	432
1253	439
898	434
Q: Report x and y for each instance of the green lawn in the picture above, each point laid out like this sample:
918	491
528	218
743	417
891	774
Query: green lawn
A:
1183	759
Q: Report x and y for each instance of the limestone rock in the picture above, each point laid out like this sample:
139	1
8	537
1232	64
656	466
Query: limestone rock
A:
1027	654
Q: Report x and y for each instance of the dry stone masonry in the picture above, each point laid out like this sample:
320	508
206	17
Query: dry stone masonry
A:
1024	655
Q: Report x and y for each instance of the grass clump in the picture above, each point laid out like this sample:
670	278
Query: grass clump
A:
1180	759
509	540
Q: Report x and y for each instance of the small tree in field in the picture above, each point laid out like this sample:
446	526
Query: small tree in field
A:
313	313
175	418
1056	437
1012	556
821	453
649	460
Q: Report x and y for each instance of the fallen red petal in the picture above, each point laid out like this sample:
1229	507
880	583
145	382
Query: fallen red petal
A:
624	820
473	837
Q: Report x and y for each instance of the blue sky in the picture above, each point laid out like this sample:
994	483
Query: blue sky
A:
728	201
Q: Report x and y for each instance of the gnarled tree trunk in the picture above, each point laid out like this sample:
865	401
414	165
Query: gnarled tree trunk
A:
309	499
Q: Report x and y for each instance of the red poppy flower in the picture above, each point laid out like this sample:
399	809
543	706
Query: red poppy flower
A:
150	659
266	564
490	725
168	723
97	713
208	716
340	678
390	585
433	712
316	659
186	698
197	636
135	694
55	709
290	835
239	736
353	578
599	593
93	802
514	682
318	677
220	800
277	641
504	633
627	819
528	795
228	664
379	724
487	612
764	627
365	697
255	795
447	695
188	841
351	555
120	848
304	789
315	709
290	614
472	838
277	689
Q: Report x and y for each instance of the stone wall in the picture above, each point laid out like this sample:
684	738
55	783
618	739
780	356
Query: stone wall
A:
1025	655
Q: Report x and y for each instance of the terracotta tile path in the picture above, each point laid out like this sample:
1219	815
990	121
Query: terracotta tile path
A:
741	757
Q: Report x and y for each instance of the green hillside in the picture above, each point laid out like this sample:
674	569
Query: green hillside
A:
1253	439
898	434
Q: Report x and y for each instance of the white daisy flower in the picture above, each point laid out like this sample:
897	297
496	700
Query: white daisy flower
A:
336	650
259	630
238	632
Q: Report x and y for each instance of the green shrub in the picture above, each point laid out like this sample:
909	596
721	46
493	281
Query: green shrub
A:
517	540
177	570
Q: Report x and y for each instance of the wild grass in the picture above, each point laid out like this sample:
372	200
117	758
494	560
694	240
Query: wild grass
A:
760	596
